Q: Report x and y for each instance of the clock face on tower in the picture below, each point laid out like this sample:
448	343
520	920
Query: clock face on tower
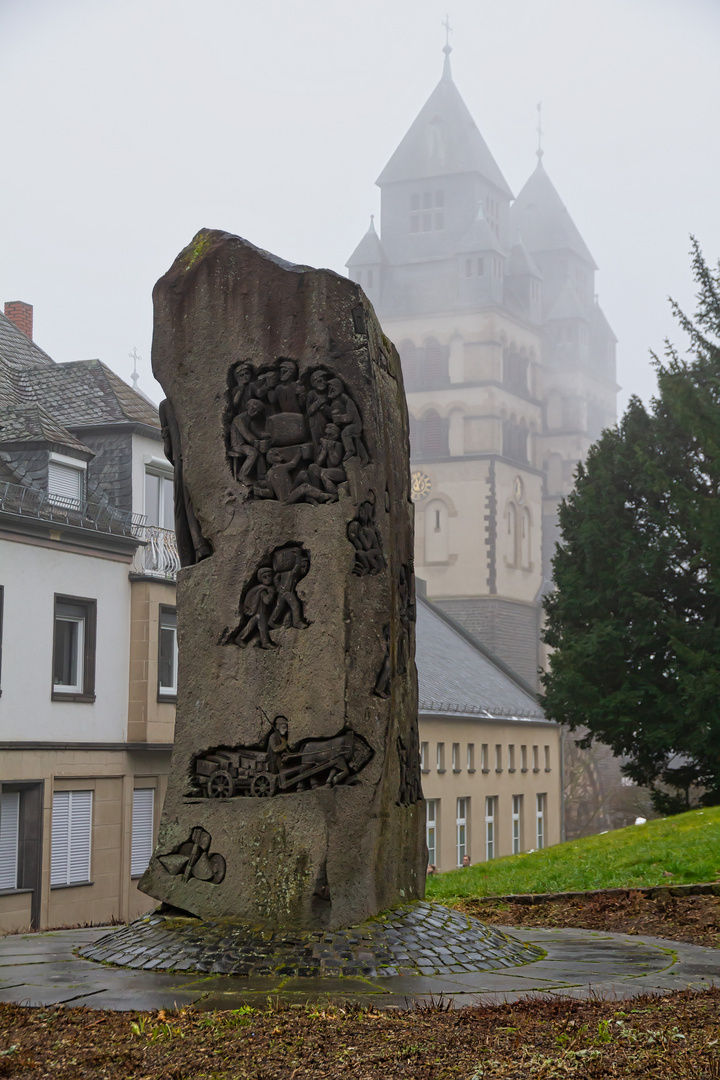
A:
420	486
518	489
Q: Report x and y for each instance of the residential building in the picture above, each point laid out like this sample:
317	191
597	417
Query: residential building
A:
87	635
508	360
491	763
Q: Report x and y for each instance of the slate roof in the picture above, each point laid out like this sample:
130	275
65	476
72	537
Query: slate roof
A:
443	140
543	220
568	306
457	676
87	393
17	349
20	423
521	262
369	251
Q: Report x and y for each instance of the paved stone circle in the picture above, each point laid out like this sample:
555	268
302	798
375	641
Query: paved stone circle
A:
413	939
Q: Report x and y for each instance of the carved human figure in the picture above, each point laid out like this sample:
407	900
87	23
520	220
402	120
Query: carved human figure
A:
289	393
278	747
244	389
278	482
347	417
327	468
365	537
256	607
192	545
249	439
266	390
408	615
318	405
290	566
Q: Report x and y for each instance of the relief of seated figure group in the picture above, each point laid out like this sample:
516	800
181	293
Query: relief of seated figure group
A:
289	437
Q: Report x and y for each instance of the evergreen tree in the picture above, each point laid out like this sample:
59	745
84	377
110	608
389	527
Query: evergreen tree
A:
634	621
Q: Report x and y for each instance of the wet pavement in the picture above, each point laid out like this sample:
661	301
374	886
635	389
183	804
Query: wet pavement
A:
44	969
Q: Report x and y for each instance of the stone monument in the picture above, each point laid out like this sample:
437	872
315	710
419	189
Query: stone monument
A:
294	794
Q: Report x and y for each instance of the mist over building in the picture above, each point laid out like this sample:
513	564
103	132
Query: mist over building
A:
509	366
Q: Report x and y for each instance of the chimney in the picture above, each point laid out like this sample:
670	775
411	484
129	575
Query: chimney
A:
20	313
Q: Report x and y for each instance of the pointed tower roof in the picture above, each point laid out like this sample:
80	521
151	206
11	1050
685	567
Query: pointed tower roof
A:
543	220
568	306
443	140
369	251
479	237
521	262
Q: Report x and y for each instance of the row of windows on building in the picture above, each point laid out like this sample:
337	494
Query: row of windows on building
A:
74	648
492	756
488	849
427	366
427	211
71	836
67	487
430	438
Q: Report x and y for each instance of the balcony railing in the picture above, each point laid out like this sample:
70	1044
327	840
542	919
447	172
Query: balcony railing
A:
159	555
82	514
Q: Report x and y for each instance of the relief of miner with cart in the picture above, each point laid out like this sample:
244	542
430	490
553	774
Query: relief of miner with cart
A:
274	766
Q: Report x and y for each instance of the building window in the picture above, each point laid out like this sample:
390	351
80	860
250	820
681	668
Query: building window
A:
167	654
471	757
9	833
71	831
159	510
422	218
490	838
540	822
424	756
431	837
437	540
523	759
498	758
456	757
536	759
441	757
511	757
484	758
517	802
461	830
74	649
142	830
547	759
66	481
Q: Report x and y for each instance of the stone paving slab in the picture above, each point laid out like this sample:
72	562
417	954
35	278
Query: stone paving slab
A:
574	964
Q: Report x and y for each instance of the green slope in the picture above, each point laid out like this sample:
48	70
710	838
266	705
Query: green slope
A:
686	846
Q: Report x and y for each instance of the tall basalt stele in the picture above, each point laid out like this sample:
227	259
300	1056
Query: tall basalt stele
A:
290	802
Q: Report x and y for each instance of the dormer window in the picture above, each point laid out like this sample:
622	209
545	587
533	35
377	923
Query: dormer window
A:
66	481
159	497
427	211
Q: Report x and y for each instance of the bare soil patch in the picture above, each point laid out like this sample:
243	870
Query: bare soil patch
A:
694	920
672	1038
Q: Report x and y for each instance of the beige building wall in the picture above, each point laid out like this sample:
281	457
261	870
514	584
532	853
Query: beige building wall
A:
472	759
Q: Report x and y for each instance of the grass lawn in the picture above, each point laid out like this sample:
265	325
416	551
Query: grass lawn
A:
675	850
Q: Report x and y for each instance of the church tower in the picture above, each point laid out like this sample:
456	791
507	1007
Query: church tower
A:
508	366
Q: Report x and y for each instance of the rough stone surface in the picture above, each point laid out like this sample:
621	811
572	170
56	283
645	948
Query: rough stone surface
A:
418	939
293	797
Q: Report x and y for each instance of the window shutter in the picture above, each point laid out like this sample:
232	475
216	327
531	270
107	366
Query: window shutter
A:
80	831
142	830
65	484
60	848
71	833
9	824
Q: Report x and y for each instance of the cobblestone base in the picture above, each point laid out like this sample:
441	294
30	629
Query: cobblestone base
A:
415	939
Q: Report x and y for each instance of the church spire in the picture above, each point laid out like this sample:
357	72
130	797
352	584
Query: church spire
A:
447	49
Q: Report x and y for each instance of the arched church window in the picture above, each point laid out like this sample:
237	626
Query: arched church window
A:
511	541
515	440
436	532
525	539
436	368
434	435
515	369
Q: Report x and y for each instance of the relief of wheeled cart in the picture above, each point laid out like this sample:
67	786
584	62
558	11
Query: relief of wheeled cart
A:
227	772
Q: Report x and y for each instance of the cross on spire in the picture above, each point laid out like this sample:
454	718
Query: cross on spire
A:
448	31
134	357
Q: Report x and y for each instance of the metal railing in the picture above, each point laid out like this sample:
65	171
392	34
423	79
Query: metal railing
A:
159	555
81	513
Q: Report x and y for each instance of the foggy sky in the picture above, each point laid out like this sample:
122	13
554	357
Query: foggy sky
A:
127	125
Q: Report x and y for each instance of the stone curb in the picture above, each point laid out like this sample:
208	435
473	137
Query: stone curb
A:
652	892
